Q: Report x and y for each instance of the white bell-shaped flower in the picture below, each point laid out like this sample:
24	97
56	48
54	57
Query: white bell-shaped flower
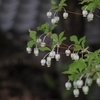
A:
36	51
43	44
53	21
84	13
57	57
75	57
76	92
75	84
79	83
49	59
48	64
85	89
98	81
68	85
90	17
72	55
89	81
52	54
43	61
65	15
38	40
67	52
49	14
28	49
56	19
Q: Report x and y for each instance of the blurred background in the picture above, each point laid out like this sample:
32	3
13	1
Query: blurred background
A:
21	75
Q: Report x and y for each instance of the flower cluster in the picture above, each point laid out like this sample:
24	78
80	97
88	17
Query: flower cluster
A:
56	18
85	65
89	15
80	84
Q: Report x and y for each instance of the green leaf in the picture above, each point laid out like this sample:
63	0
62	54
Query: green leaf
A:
61	35
82	41
64	38
53	7
89	58
95	76
31	43
53	44
53	27
33	35
74	77
53	2
84	7
85	1
44	27
77	47
91	6
54	37
44	49
62	3
74	39
67	72
78	65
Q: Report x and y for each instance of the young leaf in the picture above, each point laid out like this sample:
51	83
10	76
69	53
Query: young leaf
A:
53	44
91	6
61	35
31	43
33	35
53	27
67	72
53	2
78	65
74	77
82	41
77	47
44	27
53	7
64	38
55	37
62	3
85	1
44	49
84	7
74	39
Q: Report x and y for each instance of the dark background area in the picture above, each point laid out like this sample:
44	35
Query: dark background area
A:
21	75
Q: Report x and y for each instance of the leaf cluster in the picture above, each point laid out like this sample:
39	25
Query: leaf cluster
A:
46	28
76	69
32	35
78	44
58	7
58	39
90	4
86	66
